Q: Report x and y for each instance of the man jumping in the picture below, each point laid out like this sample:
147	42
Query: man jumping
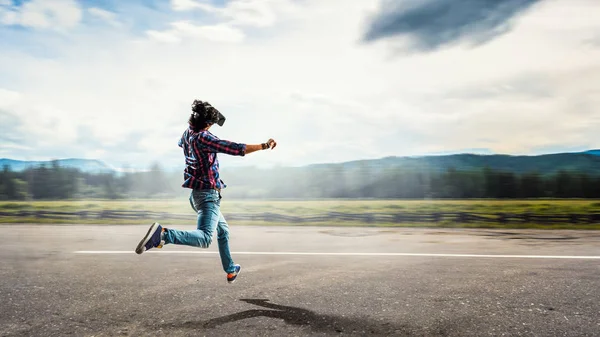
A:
201	175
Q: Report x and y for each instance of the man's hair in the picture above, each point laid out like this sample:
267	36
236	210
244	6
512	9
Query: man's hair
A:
203	114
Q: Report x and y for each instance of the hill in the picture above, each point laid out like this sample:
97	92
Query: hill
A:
594	152
588	162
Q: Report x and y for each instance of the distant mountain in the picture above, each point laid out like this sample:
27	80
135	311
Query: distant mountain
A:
84	165
594	152
588	162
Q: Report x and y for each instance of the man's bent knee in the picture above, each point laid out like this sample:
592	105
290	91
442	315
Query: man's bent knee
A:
202	239
222	234
207	241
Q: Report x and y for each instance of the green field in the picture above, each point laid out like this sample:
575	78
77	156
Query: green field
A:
303	208
318	206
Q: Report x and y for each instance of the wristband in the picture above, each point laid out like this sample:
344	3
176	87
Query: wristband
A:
264	146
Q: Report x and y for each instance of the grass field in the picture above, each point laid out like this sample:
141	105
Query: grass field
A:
318	206
312	207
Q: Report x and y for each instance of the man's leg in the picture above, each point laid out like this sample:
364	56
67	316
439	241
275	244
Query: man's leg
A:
223	240
232	270
206	204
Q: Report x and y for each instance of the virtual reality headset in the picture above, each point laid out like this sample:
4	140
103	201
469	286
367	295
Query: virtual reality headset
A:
216	116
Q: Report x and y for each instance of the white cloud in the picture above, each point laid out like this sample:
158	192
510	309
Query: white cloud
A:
185	29
45	14
251	12
167	36
8	98
323	95
48	122
107	16
184	5
220	33
8	17
256	13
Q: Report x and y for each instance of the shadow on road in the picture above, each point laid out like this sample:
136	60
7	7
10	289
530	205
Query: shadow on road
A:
306	318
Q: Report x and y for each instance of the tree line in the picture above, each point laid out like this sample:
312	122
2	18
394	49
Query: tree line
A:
54	182
337	181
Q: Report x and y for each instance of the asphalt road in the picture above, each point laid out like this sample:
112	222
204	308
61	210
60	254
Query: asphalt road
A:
503	285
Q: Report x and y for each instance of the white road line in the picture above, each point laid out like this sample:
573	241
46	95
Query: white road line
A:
347	254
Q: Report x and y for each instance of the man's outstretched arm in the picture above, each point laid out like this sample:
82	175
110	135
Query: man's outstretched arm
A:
214	144
270	144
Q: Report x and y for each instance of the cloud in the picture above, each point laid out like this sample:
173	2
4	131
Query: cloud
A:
8	97
20	115
258	13
228	23
7	16
166	36
593	41
184	29
220	33
185	5
253	13
104	15
430	24
518	114
11	123
44	14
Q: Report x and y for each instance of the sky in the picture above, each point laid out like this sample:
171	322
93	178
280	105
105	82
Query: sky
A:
330	81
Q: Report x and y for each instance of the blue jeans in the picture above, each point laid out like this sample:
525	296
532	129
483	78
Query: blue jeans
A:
207	204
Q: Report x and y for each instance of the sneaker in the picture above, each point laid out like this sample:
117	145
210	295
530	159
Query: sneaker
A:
152	239
232	276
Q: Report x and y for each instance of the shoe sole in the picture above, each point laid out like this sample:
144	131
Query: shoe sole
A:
141	247
236	276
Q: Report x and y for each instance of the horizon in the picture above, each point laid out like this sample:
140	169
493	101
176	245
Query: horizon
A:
242	164
114	81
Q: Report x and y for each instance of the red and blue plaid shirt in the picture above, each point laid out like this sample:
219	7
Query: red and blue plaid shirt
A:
201	164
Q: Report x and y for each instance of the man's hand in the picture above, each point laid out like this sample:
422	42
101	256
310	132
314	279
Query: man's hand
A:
269	144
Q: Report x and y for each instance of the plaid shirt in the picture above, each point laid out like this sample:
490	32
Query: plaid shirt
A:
202	166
